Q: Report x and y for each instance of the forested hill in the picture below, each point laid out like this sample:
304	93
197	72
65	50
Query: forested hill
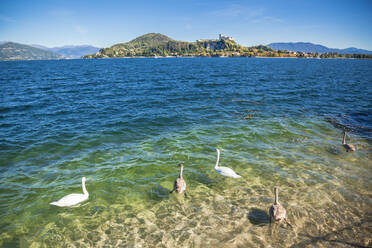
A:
159	45
16	51
155	44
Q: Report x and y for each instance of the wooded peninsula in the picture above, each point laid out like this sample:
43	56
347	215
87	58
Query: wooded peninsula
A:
159	45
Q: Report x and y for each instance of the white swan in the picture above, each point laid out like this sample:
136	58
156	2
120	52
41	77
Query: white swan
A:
73	199
224	171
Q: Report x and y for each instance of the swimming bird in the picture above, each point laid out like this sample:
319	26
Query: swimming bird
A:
224	171
277	212
348	147
180	184
73	199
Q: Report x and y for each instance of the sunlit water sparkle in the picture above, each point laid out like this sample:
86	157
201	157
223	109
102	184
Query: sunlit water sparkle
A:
125	124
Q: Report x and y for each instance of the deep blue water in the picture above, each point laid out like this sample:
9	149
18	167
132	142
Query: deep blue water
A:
110	118
75	97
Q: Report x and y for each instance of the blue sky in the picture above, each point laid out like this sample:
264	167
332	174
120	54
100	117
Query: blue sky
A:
336	24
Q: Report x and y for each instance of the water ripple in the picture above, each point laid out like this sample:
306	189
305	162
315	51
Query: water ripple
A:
125	124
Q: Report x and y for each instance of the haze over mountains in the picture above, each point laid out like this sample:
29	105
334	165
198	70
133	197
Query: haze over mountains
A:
308	47
16	51
72	52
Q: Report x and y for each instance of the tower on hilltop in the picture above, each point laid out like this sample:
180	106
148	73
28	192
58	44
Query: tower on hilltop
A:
224	37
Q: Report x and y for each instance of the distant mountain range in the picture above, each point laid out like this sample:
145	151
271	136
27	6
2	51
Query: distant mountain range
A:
308	47
16	51
154	44
71	52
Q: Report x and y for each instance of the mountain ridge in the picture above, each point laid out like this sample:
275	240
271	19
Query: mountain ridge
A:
70	51
17	51
309	47
159	45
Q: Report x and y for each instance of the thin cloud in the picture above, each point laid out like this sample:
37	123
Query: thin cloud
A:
236	10
254	15
81	30
228	12
61	13
312	26
4	18
267	19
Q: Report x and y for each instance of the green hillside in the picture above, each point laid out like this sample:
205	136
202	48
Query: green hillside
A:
154	44
16	51
149	40
136	47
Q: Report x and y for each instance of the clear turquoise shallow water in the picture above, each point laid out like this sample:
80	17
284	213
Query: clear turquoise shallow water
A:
125	124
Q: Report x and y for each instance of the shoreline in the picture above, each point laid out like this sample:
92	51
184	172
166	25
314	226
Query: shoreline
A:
175	57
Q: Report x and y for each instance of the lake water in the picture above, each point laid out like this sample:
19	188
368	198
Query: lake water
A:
125	124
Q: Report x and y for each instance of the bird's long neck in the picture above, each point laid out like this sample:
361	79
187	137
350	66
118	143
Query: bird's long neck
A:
84	189
276	196
181	170
218	158
344	139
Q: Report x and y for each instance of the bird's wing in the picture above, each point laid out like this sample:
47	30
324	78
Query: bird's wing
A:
277	211
180	184
71	199
271	211
175	184
225	171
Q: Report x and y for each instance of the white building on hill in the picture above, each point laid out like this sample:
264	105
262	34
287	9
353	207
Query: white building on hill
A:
223	37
